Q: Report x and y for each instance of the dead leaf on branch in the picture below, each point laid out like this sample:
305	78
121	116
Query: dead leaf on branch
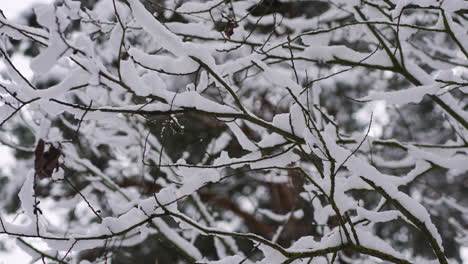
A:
229	28
45	162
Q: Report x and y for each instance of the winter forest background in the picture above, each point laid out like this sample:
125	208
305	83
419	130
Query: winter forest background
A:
235	131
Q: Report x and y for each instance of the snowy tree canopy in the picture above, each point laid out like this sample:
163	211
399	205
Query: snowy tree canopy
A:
237	131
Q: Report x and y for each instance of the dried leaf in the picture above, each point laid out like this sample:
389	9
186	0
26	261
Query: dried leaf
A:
229	28
46	162
39	155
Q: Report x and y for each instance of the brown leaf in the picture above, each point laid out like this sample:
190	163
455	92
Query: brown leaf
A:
46	162
39	155
229	28
52	156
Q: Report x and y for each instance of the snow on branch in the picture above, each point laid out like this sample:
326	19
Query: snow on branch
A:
275	131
